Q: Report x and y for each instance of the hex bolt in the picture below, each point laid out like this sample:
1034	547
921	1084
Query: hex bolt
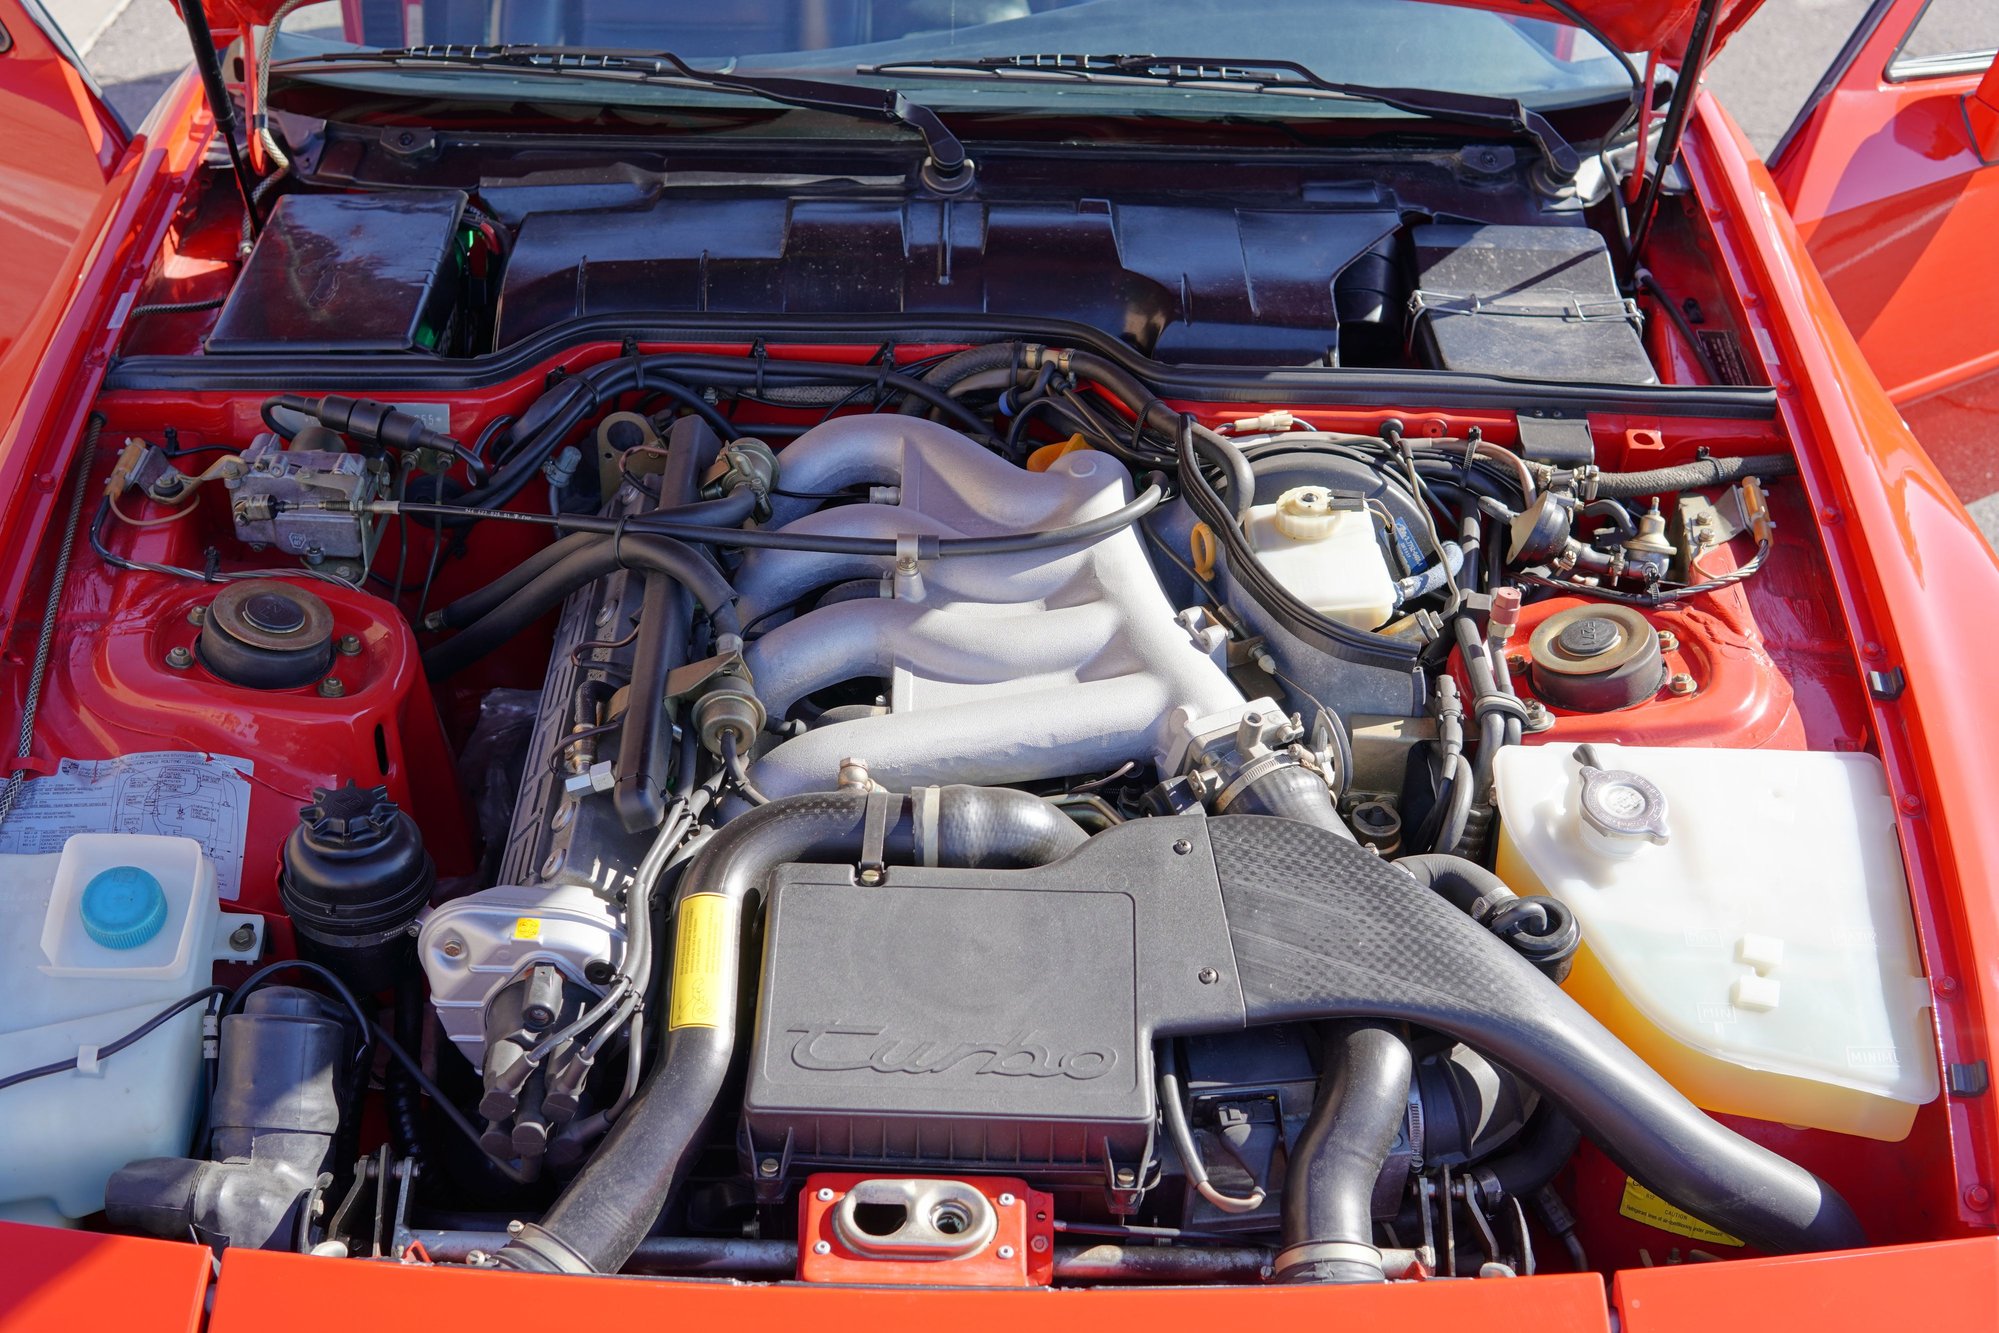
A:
197	615
1669	642
1681	683
1005	1251
1039	1244
452	948
824	1195
180	659
822	1247
1182	846
348	645
243	937
331	688
1208	976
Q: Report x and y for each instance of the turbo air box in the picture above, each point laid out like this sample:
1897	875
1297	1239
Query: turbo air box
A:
979	1018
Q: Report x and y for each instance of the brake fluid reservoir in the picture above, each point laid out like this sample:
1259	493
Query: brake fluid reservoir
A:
94	941
1324	550
1745	919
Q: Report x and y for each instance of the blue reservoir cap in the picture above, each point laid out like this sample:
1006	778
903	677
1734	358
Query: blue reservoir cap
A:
123	907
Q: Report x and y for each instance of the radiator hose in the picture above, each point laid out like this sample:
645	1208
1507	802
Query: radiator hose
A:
607	1210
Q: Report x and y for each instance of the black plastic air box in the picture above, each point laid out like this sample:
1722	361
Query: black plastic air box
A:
348	273
981	1020
1526	302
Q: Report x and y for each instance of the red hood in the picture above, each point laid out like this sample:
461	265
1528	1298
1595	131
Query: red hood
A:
1634	25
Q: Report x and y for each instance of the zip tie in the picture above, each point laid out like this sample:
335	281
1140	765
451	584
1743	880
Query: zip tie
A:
87	1062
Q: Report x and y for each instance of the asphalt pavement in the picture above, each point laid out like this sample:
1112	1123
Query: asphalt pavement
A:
136	47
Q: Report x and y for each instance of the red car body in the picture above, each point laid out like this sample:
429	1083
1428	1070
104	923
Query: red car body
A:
1878	219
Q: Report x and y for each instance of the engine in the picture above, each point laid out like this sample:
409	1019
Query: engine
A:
970	813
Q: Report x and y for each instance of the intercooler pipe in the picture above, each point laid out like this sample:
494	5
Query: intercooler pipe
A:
1329	1188
580	567
607	1210
1290	791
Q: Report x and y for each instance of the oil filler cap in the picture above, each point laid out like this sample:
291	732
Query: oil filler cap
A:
123	907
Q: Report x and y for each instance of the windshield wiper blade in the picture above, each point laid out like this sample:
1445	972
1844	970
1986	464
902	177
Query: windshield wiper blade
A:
1284	77
948	169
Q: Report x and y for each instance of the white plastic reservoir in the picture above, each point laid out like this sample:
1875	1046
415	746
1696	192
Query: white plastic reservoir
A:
94	940
1745	919
1325	554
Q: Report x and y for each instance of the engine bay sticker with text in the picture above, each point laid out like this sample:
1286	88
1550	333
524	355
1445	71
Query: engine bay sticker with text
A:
704	946
1642	1205
168	793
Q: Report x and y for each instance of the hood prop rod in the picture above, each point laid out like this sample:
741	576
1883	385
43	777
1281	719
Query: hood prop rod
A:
209	65
1699	45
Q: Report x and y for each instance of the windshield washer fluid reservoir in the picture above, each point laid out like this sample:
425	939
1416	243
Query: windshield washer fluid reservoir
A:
1324	550
95	940
1745	920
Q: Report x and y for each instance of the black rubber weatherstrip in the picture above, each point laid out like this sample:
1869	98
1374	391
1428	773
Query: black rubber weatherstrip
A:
402	372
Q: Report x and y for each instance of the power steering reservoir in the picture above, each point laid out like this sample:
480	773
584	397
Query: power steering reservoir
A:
1745	920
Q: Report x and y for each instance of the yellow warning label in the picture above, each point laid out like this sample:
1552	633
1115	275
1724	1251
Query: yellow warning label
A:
1642	1205
704	958
527	928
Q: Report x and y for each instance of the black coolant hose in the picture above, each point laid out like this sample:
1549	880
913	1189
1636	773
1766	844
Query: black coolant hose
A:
1329	1187
728	511
1694	476
1538	928
582	566
1533	1159
607	1210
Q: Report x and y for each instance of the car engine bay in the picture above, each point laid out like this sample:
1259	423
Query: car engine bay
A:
1289	732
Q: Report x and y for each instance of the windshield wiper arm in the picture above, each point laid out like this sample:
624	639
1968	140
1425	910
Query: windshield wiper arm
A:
948	169
1286	77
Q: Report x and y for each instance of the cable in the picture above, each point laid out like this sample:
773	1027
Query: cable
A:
738	771
1678	318
1175	1115
177	307
778	540
112	1048
46	638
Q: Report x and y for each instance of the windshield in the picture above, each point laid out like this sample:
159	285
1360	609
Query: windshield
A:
1401	43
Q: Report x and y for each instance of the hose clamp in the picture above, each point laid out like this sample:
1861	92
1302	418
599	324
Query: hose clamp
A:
1326	1252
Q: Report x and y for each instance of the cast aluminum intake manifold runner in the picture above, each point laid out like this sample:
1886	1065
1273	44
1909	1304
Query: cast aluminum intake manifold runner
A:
1003	668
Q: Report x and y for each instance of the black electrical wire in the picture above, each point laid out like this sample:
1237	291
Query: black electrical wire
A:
1680	322
111	1048
739	772
178	307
